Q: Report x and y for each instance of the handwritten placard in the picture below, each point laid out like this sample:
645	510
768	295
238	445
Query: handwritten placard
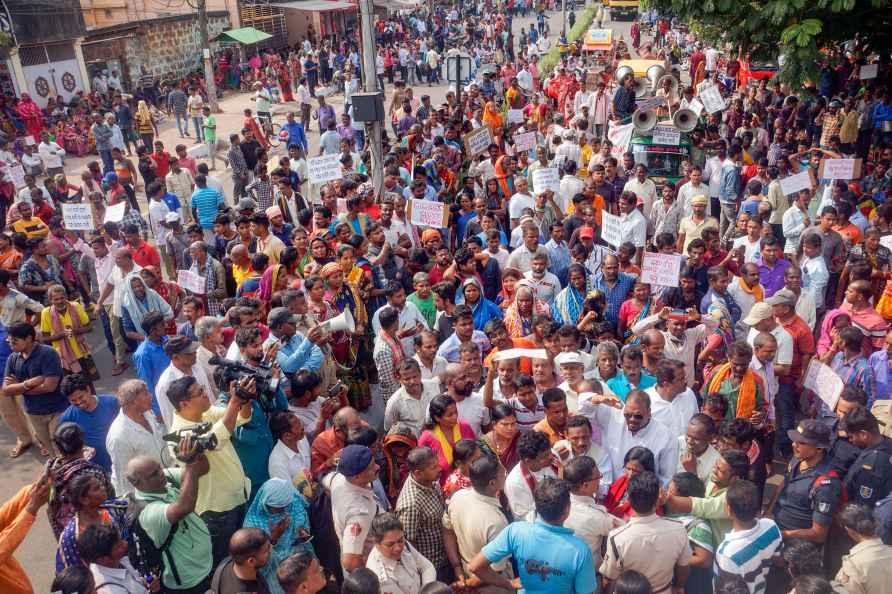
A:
711	99
191	281
666	135
660	269
546	178
793	183
610	229
17	175
524	142
324	168
840	169
515	116
427	213
620	138
78	217
824	382
114	213
651	103
696	106
478	141
868	71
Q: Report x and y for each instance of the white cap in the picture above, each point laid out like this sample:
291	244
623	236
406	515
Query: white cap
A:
569	358
172	217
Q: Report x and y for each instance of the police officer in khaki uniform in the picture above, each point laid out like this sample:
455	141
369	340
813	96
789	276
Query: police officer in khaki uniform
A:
654	546
867	569
353	504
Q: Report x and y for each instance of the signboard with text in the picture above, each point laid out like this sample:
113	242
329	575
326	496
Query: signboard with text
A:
610	229
666	135
324	168
191	281
661	269
793	183
546	178
427	213
478	141
78	217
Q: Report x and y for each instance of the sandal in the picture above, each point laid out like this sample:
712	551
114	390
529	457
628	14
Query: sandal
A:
19	449
119	369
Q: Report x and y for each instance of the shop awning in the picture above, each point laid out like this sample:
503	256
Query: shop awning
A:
245	36
317	5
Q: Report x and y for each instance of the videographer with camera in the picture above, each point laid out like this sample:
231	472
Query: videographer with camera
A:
223	491
295	351
169	496
253	441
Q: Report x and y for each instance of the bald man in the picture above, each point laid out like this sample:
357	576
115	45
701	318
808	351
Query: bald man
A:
241	263
328	444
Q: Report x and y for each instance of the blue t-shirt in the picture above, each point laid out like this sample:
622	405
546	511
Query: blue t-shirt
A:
45	361
205	202
172	202
95	425
621	386
550	559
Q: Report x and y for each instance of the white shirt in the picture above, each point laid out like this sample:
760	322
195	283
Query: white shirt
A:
472	411
784	354
116	280
687	192
766	372
570	186
308	415
525	80
745	300
793	223
408	410
518	202
590	522
712	57
633	227
546	287
676	414
750	249
646	191
51	154
433	372
409	316
682	349
618	439
117	580
805	309
286	464
713	172
705	461
815	277
167	377
520	498
597	453
157	211
406	576
127	439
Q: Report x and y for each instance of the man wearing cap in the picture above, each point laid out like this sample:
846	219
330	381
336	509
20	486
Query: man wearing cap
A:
680	341
181	351
761	319
295	351
353	504
691	227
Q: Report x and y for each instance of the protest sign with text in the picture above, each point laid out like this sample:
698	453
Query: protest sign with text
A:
324	168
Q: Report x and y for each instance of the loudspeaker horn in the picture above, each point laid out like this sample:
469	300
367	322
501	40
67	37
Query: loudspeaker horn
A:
654	73
685	120
644	121
341	322
662	80
640	86
622	72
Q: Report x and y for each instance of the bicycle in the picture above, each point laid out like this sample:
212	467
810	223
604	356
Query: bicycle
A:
271	129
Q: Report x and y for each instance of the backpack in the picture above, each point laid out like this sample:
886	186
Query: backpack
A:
147	558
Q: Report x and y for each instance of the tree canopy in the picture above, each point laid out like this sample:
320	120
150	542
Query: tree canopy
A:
797	29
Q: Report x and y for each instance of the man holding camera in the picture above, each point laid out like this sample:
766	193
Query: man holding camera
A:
170	495
223	491
296	351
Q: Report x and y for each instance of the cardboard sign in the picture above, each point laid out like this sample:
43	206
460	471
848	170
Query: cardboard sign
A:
524	142
17	175
840	169
610	229
868	71
427	213
29	140
190	281
824	382
711	99
620	137
660	269
114	214
78	217
546	178
696	106
515	116
666	135
651	103
793	183
518	353
325	168
477	141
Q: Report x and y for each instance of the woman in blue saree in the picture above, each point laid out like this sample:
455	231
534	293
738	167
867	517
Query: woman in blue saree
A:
484	309
567	305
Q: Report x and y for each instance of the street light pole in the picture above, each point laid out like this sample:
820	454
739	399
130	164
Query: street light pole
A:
209	81
370	85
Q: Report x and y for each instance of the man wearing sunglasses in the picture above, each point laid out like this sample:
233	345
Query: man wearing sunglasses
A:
624	426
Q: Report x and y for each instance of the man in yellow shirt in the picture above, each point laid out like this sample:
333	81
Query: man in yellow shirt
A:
241	264
28	224
64	321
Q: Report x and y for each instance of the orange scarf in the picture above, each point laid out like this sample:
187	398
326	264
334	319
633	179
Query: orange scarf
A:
758	292
746	398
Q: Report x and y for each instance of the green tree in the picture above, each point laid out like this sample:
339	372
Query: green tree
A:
796	29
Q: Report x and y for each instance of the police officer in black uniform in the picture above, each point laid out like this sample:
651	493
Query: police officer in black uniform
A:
842	452
870	477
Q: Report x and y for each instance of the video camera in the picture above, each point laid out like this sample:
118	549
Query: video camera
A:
201	443
264	382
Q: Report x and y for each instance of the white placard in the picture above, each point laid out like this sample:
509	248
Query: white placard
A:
190	281
711	99
114	214
325	168
517	353
620	137
610	229
793	183
78	217
524	142
839	168
886	241
696	106
868	71
546	178
660	269
515	116
666	135
427	213
478	141
17	175
650	103
29	140
342	206
824	382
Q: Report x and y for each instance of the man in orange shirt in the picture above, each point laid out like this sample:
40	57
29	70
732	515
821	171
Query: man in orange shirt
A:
16	518
554	425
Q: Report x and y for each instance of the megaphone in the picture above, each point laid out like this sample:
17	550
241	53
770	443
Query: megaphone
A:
685	120
662	80
654	73
640	86
341	322
644	121
622	72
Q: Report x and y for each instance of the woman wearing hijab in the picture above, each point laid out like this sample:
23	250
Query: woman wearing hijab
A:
505	176
484	310
280	511
138	301
492	119
567	305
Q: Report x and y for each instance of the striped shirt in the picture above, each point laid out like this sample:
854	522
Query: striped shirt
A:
748	553
205	202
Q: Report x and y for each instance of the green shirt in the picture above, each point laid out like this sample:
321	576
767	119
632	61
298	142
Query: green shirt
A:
210	128
191	545
426	307
712	508
732	393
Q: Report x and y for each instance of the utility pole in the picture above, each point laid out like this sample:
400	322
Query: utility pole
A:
563	18
370	85
210	83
